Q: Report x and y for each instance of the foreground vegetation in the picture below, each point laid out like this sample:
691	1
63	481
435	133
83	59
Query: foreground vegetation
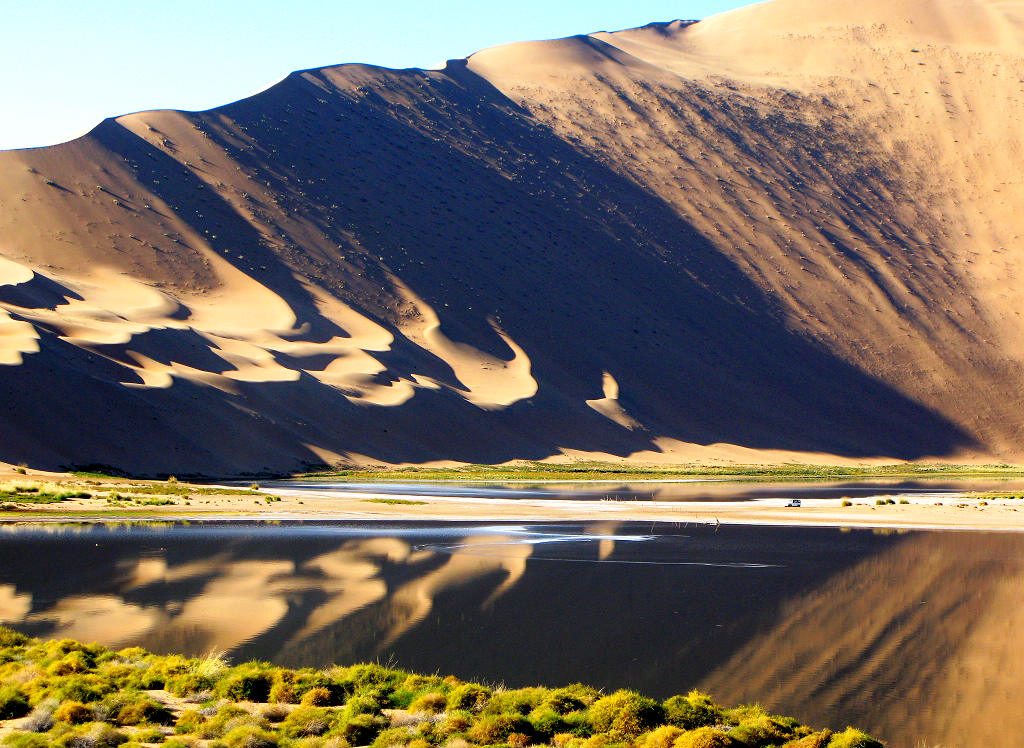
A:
65	693
583	471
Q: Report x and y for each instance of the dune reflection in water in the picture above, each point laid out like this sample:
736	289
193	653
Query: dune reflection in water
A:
911	635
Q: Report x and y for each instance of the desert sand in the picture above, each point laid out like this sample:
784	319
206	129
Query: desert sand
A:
788	232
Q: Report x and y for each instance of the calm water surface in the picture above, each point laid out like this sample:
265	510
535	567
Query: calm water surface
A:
667	490
913	636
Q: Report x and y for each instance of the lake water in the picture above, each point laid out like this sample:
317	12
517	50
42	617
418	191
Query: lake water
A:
913	636
665	490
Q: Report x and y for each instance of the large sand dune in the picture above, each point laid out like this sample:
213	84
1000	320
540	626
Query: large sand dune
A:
792	230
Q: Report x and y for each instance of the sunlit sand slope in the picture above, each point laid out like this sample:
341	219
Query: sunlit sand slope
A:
791	229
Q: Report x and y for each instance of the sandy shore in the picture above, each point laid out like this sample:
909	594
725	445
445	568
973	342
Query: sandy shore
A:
937	510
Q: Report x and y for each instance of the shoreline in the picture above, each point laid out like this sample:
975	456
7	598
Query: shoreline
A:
45	499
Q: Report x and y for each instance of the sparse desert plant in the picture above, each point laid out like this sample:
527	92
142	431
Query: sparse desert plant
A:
13	703
309	721
469	696
814	740
693	710
496	728
626	712
73	712
249	736
846	502
433	702
705	737
275	712
319	696
661	737
853	738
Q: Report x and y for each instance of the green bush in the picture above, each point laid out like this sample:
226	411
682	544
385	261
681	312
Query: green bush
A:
318	696
144	710
852	738
496	728
13	703
249	736
11	638
705	737
432	701
762	731
519	701
26	740
73	712
189	721
815	740
626	712
469	696
361	729
570	698
246	683
149	735
94	735
394	736
661	737
693	710
309	721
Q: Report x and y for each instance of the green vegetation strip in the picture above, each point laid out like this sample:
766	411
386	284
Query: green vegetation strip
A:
68	694
583	471
401	502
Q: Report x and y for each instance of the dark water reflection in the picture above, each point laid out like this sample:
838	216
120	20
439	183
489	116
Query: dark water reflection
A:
913	635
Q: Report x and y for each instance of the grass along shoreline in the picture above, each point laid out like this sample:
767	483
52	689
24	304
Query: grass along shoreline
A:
72	695
594	471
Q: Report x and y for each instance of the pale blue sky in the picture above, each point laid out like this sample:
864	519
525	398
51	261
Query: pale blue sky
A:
67	64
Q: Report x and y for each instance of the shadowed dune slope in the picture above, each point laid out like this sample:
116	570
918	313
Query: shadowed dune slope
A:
787	231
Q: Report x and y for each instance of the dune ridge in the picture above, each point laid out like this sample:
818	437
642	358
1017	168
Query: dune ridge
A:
788	230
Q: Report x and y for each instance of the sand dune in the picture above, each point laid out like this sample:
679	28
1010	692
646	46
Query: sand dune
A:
791	229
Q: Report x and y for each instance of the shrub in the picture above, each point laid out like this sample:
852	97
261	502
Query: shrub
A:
95	735
319	696
762	730
456	722
11	638
626	712
13	703
307	721
693	710
362	729
469	696
847	502
275	712
144	711
852	738
815	740
705	737
26	740
360	705
432	701
249	736
395	736
245	684
41	718
149	735
73	712
71	663
519	701
662	737
189	721
571	698
496	728
84	688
